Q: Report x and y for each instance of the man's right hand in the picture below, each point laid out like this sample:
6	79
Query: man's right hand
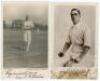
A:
60	54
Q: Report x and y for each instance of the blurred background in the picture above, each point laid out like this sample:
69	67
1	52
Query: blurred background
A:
14	14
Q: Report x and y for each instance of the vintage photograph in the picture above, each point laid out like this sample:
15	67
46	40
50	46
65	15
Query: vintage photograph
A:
74	35
25	35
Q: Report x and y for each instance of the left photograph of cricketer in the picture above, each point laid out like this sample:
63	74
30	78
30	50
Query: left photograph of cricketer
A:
25	35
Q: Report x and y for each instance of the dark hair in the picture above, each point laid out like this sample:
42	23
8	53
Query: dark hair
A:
75	9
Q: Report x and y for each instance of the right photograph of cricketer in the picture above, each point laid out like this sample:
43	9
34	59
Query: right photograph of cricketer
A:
78	40
74	36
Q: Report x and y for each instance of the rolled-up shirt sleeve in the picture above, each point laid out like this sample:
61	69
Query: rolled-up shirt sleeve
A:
32	24
87	37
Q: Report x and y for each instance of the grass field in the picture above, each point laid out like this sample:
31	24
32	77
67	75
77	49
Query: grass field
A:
15	56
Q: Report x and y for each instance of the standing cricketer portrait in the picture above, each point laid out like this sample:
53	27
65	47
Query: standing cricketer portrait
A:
74	41
25	33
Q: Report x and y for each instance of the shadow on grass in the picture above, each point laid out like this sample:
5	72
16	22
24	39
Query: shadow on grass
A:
18	48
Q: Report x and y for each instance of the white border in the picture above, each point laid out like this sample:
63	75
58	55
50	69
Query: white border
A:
1	36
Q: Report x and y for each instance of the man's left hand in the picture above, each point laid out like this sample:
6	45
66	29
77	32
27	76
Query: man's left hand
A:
77	60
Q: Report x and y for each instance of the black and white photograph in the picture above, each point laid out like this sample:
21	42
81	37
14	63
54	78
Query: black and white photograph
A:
25	34
74	35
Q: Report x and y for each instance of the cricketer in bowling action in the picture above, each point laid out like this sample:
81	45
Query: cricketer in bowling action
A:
28	25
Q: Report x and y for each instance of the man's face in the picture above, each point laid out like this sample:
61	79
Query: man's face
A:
75	16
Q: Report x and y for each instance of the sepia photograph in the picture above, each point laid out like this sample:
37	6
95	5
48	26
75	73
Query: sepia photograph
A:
74	35
49	40
25	35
